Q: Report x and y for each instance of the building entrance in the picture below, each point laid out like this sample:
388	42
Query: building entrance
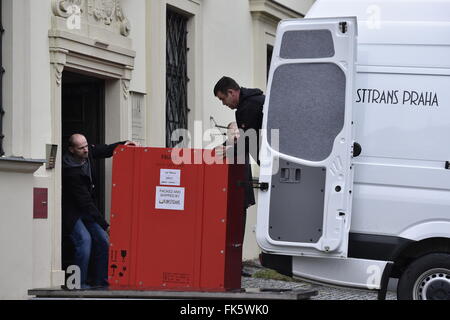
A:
83	111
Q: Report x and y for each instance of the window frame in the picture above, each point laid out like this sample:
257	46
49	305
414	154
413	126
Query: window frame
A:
177	80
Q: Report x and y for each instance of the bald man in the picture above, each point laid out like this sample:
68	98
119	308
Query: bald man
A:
83	223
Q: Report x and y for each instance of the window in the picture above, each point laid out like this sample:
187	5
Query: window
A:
176	75
2	71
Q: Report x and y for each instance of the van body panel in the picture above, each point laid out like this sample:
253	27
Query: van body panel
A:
357	273
427	230
401	180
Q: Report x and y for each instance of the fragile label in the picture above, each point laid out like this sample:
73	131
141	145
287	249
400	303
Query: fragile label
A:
169	177
169	198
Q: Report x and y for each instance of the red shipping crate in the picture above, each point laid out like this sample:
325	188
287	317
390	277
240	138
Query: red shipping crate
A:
175	226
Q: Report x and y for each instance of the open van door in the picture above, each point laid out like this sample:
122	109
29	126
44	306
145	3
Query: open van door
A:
307	140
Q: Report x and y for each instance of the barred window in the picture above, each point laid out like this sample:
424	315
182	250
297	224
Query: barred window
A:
176	75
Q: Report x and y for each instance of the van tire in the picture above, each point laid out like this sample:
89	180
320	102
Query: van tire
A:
426	278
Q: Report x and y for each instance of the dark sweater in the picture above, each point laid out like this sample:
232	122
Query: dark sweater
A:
78	195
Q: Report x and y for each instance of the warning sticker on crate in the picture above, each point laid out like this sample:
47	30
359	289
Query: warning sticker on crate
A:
169	198
170	177
176	277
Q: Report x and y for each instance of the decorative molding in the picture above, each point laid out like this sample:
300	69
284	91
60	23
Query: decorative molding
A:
126	88
58	68
58	60
78	53
97	46
299	6
20	165
271	12
265	18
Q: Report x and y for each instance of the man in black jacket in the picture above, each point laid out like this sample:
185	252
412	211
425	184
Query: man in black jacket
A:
83	223
248	104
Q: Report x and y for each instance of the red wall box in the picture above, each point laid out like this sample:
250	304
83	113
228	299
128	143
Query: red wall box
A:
40	203
175	226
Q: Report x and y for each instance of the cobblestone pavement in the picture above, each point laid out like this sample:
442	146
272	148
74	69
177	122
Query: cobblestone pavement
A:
324	292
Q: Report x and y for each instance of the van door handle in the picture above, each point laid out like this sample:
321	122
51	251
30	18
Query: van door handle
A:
357	149
264	186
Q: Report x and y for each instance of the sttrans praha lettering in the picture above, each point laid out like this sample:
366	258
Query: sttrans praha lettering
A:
412	98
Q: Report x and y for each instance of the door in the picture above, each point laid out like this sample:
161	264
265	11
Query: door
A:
307	141
83	112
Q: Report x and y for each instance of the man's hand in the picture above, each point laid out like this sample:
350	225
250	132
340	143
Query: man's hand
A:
221	151
132	144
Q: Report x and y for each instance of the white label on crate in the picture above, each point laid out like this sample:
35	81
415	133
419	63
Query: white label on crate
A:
170	177
169	198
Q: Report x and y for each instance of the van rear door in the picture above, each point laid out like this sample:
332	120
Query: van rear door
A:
307	141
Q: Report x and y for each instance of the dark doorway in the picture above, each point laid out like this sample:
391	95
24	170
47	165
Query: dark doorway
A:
83	109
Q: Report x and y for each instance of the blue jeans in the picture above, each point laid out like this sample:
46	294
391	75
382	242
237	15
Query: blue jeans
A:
91	244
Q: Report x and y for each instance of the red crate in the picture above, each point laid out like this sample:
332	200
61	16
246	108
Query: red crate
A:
175	226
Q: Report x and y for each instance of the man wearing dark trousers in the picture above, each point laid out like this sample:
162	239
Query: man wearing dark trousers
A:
248	104
82	221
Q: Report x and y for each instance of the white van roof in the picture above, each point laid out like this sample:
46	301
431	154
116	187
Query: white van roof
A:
412	22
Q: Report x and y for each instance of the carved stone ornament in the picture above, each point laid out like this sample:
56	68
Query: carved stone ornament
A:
106	12
58	73
109	11
125	26
61	8
126	88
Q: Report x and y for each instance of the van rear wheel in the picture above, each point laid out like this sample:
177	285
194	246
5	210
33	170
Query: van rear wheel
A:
426	278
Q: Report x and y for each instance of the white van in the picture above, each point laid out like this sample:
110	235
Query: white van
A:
374	74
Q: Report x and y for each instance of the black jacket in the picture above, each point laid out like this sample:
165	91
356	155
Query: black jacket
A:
249	115
78	196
